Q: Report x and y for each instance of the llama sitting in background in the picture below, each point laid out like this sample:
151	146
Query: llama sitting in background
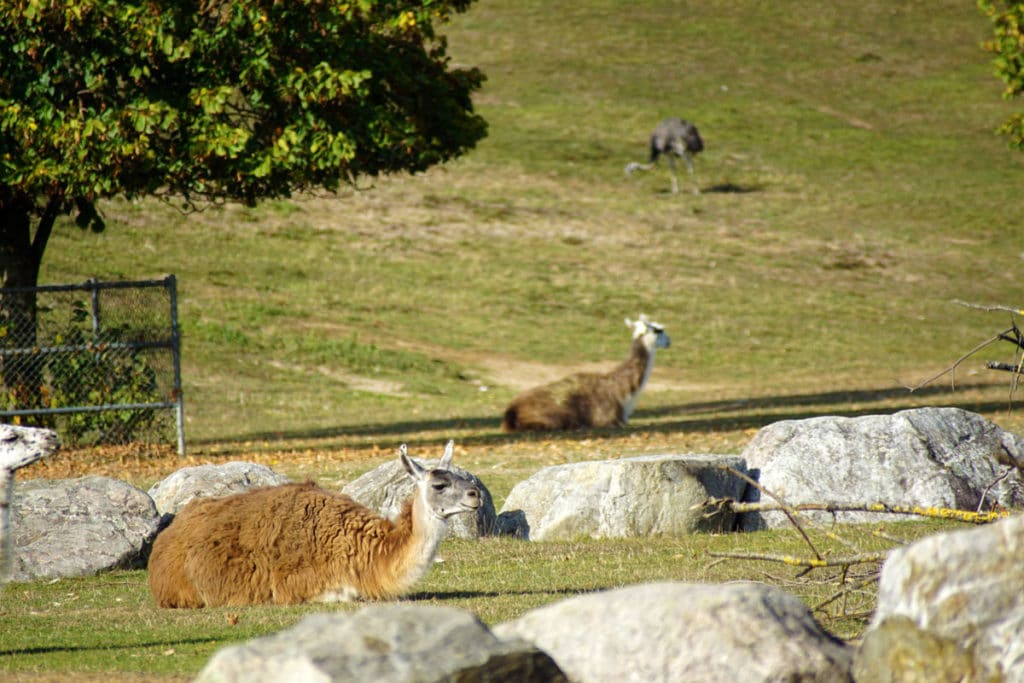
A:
589	399
297	542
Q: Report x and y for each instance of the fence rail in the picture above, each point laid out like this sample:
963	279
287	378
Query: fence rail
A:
100	361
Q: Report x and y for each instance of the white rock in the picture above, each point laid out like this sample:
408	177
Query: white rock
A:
698	633
929	457
642	496
211	481
384	644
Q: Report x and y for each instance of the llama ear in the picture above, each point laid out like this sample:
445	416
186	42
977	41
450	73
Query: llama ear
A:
411	466
629	323
446	459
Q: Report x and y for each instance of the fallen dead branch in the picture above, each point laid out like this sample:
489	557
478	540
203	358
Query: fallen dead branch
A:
854	582
1005	367
719	505
781	505
810	562
848	589
997	307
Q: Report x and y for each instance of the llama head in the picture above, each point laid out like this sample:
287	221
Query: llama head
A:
652	333
443	492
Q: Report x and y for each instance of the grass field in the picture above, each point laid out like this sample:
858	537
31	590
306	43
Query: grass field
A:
852	189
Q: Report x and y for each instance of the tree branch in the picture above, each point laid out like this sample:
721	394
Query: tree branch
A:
974	517
980	307
49	216
1006	367
781	503
952	368
810	562
1012	335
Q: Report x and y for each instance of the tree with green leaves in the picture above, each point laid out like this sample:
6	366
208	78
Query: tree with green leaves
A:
210	100
1008	47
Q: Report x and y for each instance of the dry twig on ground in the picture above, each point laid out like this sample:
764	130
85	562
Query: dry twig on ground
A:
847	586
972	516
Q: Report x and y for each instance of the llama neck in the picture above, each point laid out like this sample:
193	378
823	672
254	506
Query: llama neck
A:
638	365
637	368
424	532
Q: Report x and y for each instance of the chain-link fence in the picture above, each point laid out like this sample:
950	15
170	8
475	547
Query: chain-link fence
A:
99	362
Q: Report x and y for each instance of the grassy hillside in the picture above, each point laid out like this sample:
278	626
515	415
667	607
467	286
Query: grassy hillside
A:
852	188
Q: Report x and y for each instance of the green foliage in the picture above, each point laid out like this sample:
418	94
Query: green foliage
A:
223	100
90	371
98	379
1008	45
210	101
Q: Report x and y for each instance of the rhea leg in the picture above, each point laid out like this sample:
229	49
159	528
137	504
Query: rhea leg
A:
693	175
672	169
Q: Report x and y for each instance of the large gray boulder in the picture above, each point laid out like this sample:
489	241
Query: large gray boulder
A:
211	481
386	488
950	608
699	633
396	643
642	496
927	457
79	527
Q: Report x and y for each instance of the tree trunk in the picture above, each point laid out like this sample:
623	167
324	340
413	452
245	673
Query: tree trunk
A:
20	258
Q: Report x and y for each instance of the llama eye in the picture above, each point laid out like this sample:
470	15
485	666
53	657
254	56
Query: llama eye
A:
440	486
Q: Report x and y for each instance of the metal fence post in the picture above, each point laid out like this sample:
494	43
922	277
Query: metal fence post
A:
94	292
172	288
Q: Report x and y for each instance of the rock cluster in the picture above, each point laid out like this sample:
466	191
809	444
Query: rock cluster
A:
950	609
950	606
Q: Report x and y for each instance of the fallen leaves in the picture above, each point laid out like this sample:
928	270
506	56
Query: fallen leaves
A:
145	464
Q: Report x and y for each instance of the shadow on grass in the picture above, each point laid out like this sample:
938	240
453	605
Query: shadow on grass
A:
732	188
50	649
703	416
896	398
473	595
720	188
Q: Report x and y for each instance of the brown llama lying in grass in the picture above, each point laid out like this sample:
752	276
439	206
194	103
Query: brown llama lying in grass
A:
590	399
297	543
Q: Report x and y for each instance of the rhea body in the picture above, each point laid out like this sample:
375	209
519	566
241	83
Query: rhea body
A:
673	138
